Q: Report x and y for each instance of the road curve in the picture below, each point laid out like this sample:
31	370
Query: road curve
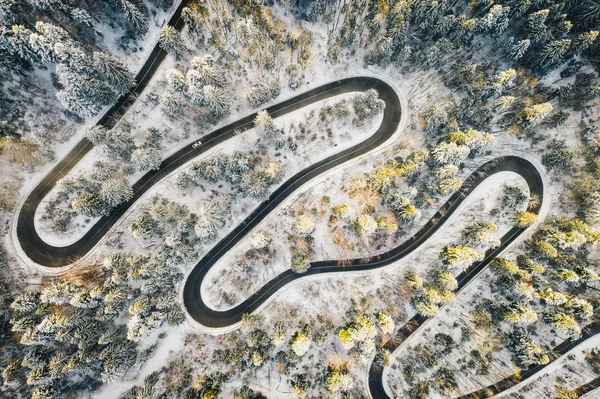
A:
506	383
35	248
536	187
57	256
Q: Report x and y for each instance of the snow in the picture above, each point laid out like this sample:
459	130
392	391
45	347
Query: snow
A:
327	295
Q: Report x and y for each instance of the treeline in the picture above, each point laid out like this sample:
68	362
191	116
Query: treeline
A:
42	33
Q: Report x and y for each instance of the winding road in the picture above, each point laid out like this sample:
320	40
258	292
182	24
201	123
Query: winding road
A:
51	256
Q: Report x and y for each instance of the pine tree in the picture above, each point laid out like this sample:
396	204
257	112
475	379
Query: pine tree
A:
145	227
264	123
58	293
202	72
480	234
113	71
20	46
135	18
96	134
338	380
446	186
172	105
255	184
301	342
278	333
519	49
555	52
520	314
194	15
584	41
300	386
564	324
449	153
460	256
52	33
211	216
82	94
171	41
304	224
534	114
146	158
82	16
52	5
115	191
300	264
176	79
89	205
525	219
216	99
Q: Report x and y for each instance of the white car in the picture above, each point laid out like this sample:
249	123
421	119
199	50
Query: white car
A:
197	144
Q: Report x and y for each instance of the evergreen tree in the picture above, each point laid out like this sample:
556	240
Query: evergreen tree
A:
80	93
115	191
202	72
216	99
144	226
194	15
136	19
300	264
18	39
264	123
176	79
460	256
172	105
301	342
114	72
520	314
146	158
171	41
89	205
211	216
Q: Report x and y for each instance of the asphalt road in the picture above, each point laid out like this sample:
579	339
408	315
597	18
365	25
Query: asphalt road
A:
51	256
506	383
35	248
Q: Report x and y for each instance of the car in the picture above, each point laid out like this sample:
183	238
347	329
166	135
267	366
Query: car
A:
197	144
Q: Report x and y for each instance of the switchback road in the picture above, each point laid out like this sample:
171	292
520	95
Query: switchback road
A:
48	255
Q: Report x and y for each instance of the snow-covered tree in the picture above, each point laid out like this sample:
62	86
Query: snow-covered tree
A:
81	93
301	342
304	224
114	72
212	215
366	224
338	380
460	256
260	239
278	333
216	99
146	158
176	80
115	191
534	114
202	72
171	41
144	226
264	123
172	104
300	264
521	314
89	205
134	16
